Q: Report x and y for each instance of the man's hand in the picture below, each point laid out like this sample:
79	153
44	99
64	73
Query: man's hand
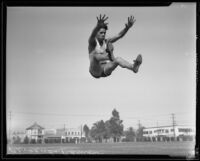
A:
101	20
131	21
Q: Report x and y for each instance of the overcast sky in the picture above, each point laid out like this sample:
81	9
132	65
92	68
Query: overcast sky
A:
47	66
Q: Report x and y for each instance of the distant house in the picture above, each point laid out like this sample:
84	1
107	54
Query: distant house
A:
35	133
67	135
49	131
74	134
53	136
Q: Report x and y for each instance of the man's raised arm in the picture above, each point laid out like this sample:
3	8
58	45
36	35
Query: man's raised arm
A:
128	25
100	24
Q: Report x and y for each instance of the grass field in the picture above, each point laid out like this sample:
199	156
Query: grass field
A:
144	148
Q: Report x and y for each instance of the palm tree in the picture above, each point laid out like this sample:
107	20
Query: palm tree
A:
98	131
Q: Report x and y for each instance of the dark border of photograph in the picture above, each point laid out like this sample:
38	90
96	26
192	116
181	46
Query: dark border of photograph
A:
57	3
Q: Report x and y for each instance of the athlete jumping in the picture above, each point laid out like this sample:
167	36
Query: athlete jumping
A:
102	60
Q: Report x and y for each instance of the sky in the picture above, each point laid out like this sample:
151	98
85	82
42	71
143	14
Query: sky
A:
47	67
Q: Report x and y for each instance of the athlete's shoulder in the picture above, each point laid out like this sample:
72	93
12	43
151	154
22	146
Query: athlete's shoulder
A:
91	46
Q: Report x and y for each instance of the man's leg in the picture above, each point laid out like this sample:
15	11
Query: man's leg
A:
110	66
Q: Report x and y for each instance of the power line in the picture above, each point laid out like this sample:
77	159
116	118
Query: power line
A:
94	115
56	114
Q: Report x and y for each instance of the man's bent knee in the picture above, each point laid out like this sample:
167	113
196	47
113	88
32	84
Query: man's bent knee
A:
117	60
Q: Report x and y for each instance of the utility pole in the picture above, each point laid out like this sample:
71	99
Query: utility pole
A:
81	130
139	124
138	132
64	135
173	124
157	128
81	133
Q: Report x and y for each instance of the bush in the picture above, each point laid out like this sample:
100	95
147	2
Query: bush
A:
39	141
26	140
33	141
16	140
83	140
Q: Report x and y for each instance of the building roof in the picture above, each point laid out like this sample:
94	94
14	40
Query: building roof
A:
59	133
35	126
53	136
167	126
49	131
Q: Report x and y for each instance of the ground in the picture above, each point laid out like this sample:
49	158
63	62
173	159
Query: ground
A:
132	148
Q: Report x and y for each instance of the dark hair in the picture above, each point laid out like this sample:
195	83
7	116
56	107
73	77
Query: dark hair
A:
104	26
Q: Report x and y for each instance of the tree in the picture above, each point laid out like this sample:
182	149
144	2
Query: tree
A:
130	134
139	132
16	140
98	131
86	131
26	140
115	126
107	130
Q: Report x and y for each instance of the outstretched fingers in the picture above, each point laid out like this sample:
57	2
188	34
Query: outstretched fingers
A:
130	19
105	18
102	18
99	18
133	19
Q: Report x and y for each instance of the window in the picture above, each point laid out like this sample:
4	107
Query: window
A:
159	130
184	130
145	132
34	132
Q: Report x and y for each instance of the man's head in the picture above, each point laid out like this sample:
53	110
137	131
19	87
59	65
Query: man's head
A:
101	33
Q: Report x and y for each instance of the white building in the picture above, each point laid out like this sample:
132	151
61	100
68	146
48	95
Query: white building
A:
177	131
64	135
50	131
35	132
74	133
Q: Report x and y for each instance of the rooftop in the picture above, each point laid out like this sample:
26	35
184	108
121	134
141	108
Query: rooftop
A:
35	126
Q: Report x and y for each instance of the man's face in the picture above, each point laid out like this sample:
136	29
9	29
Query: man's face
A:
101	34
